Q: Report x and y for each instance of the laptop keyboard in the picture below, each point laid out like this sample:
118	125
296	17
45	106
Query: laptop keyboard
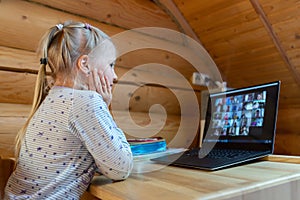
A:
220	153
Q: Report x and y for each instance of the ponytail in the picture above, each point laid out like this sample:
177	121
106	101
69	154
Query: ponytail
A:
39	95
40	90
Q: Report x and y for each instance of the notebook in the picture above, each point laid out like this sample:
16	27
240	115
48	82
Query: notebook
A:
239	127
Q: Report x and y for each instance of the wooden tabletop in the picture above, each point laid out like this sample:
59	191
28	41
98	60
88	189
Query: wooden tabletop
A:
276	177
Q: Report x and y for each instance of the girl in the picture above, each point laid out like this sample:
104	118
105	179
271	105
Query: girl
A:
70	132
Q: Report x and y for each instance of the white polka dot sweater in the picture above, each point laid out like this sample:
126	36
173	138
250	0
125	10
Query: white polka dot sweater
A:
69	137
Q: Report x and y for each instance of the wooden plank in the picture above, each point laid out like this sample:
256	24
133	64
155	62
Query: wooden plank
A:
140	99
206	8
287	143
15	18
191	51
148	56
260	71
14	110
152	74
170	7
7	145
10	125
181	183
87	196
283	158
243	42
122	13
12	60
229	32
259	60
18	60
16	87
278	12
13	12
262	51
258	8
289	98
287	190
294	58
217	15
12	118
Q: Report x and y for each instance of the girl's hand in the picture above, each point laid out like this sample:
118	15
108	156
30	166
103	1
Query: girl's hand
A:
101	85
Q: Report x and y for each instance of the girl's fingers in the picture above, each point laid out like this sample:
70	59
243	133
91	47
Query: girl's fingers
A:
103	82
102	86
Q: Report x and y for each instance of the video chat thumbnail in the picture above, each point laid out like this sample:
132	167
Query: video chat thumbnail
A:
235	115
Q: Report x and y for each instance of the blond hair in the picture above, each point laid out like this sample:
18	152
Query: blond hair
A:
60	49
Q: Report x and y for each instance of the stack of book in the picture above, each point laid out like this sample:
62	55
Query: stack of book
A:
141	146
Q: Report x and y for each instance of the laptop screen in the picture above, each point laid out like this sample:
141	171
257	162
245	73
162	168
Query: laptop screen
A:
243	116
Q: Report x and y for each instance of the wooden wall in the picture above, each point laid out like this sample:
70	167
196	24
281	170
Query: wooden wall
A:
251	41
24	22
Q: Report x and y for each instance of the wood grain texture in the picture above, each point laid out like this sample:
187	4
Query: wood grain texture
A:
16	87
170	7
237	39
258	180
13	117
32	26
245	52
126	13
268	26
14	12
141	98
231	31
17	59
158	56
19	88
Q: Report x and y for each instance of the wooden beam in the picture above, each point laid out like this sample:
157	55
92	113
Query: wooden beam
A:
33	20
14	110
170	7
21	66
120	13
259	10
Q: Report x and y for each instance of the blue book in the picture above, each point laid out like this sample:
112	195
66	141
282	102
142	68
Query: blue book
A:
141	146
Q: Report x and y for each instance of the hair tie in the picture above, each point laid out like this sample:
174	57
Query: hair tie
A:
43	61
59	26
88	26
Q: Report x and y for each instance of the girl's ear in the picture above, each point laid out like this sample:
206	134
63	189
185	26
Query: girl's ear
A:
82	64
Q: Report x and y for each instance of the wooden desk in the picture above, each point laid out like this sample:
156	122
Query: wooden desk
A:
276	178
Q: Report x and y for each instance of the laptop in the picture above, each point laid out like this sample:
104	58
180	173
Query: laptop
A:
239	127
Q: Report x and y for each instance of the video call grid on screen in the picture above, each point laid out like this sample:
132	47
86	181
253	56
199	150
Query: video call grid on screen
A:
235	115
242	116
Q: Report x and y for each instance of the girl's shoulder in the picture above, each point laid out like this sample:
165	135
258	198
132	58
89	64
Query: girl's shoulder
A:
74	95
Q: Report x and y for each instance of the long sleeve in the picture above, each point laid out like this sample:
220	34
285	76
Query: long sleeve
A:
92	122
